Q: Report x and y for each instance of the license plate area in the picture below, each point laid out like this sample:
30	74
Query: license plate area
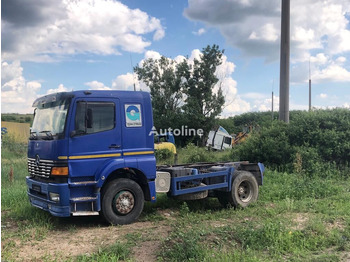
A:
36	188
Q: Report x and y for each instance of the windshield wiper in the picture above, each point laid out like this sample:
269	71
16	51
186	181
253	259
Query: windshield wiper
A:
48	134
33	135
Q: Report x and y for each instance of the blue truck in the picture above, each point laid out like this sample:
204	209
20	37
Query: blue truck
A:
92	153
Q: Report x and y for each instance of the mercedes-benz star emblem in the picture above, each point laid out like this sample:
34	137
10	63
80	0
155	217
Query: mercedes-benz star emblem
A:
37	160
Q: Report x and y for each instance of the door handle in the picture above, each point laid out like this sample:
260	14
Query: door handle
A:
114	146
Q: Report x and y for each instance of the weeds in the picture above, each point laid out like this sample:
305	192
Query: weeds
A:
164	156
116	252
183	245
269	230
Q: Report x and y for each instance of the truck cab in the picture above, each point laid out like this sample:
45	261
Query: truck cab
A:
219	139
82	140
92	153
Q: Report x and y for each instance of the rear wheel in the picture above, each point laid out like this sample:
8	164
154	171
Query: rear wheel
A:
245	190
122	201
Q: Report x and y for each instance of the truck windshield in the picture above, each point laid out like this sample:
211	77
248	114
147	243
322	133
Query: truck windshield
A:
49	120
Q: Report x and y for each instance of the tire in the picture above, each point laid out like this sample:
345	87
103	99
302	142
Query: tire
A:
122	201
245	190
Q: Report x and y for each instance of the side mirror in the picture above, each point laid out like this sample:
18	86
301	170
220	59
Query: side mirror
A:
73	133
77	133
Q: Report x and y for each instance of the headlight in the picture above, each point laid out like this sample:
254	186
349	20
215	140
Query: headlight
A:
54	197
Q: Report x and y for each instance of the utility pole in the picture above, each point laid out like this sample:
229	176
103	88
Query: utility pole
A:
273	83
284	61
272	106
309	87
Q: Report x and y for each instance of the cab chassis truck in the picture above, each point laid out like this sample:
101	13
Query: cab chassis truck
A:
92	153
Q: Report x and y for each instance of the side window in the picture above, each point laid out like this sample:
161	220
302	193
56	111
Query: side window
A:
227	140
94	117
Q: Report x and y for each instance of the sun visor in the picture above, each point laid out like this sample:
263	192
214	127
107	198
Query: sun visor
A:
57	97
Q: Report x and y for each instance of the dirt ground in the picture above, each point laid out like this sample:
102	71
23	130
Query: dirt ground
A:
87	237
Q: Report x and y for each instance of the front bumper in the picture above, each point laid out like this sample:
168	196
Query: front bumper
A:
38	194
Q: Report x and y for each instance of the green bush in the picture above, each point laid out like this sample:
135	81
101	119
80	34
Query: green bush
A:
163	155
308	161
315	142
271	146
328	131
195	154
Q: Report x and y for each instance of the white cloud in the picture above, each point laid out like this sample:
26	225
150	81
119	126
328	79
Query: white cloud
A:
97	85
340	60
17	94
10	71
121	82
126	82
319	59
200	31
333	72
151	54
225	69
253	26
323	96
324	68
195	54
61	88
235	107
73	27
262	102
267	33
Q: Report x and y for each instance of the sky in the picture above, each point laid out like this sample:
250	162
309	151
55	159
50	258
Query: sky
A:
63	45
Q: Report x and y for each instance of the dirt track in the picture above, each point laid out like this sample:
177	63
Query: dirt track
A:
87	237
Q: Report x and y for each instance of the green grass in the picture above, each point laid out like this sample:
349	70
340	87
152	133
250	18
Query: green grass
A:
297	218
289	222
115	252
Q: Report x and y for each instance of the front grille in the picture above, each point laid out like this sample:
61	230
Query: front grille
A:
43	169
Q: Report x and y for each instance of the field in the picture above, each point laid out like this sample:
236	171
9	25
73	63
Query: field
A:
297	218
18	131
19	118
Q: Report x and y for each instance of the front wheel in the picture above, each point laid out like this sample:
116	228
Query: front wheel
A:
122	201
245	190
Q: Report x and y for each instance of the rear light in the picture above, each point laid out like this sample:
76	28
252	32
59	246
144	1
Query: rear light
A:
59	171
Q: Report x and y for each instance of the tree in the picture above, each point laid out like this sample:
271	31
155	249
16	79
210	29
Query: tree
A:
182	93
202	103
166	88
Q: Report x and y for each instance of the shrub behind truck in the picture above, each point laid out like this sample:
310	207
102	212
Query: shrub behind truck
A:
92	153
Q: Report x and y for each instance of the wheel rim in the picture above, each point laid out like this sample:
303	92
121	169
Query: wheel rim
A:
245	192
123	202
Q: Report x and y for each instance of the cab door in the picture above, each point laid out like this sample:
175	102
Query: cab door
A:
95	136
